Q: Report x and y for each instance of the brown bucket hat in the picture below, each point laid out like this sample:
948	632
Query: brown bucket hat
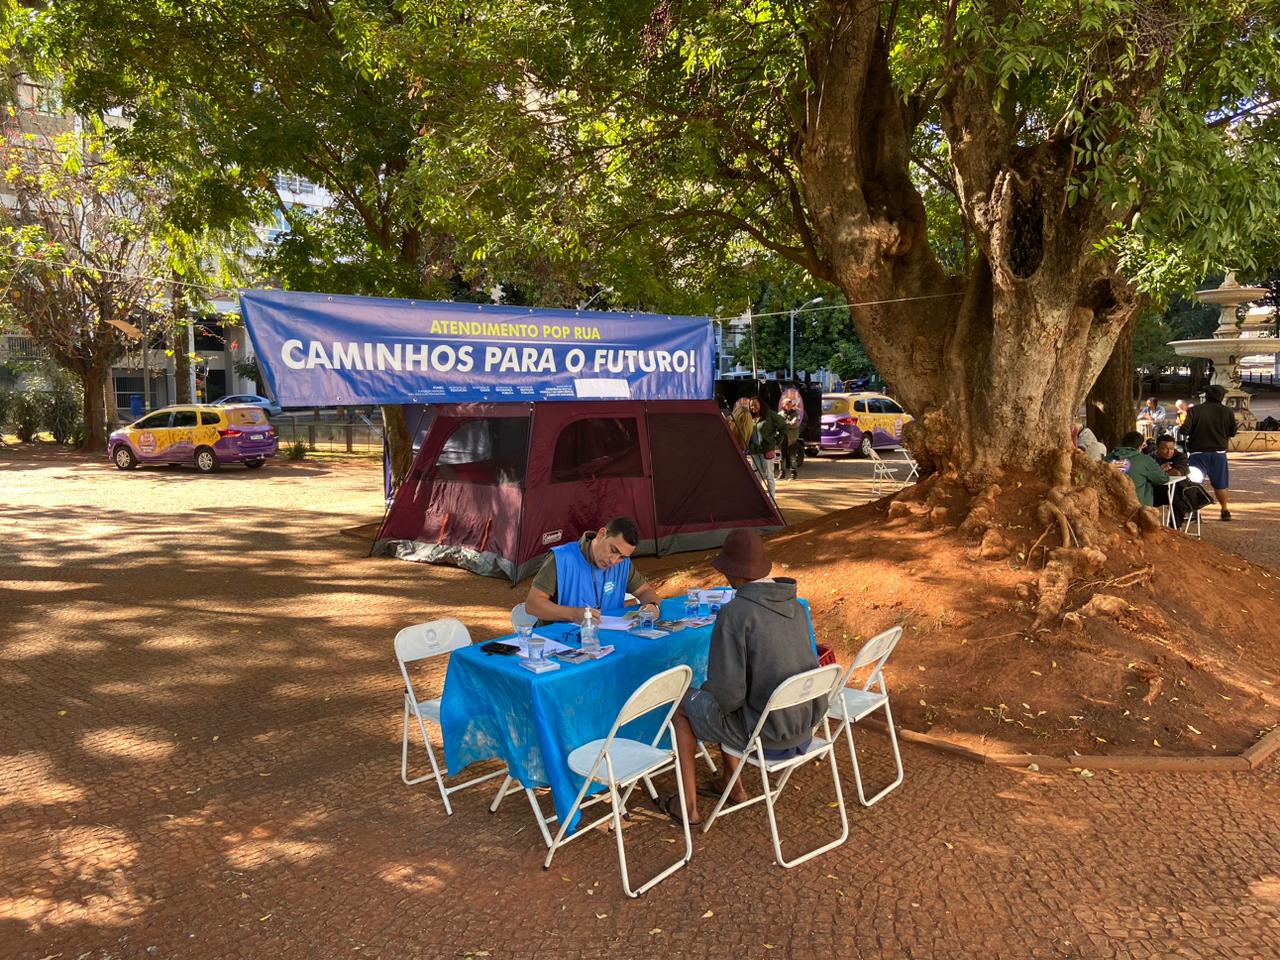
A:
743	556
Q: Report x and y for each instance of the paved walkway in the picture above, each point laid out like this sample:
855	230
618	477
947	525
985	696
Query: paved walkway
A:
200	719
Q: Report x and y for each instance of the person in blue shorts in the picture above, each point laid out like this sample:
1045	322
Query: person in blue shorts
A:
1209	428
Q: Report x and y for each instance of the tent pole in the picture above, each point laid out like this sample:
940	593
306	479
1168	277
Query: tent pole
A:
524	492
653	499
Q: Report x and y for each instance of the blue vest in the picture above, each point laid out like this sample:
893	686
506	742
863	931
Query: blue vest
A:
579	584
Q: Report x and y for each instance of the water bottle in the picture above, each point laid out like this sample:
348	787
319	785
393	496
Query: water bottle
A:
590	636
691	605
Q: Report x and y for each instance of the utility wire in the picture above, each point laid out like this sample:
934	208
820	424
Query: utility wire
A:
837	306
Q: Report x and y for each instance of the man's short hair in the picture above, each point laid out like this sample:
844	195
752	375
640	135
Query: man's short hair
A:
1131	439
624	527
1215	393
1165	438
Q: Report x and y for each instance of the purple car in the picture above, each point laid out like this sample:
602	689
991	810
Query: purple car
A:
859	422
205	436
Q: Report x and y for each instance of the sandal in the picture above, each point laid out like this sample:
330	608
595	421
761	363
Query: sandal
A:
669	808
713	791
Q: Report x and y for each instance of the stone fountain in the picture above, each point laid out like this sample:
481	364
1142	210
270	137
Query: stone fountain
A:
1230	344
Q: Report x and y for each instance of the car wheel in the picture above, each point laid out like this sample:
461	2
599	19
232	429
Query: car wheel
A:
124	458
206	460
255	464
865	447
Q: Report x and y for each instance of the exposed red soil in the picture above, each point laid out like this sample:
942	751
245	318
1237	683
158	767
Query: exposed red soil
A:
1191	665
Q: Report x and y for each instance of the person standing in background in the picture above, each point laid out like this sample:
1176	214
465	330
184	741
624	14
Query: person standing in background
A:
1209	428
792	446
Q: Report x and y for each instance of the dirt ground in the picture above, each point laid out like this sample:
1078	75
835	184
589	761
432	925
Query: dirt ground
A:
200	722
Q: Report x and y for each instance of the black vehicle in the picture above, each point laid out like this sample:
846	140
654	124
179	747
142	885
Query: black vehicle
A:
770	392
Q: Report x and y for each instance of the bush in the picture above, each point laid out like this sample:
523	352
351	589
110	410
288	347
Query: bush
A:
64	417
28	411
297	451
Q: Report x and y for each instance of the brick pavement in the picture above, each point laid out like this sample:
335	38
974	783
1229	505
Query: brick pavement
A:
200	720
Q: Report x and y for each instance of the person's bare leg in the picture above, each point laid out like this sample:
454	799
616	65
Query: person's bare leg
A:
729	763
1222	497
687	744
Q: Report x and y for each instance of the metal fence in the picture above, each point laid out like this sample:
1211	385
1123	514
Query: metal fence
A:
330	433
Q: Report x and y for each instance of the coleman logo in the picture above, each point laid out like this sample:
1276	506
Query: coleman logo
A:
552	536
608	587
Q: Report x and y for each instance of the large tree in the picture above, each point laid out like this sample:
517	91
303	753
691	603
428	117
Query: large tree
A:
1085	154
230	94
79	262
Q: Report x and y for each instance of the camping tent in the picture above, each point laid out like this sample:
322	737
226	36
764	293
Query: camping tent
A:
494	486
532	425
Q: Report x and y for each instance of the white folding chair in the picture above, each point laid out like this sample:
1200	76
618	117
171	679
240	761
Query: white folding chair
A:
418	642
620	764
914	468
881	472
849	705
816	684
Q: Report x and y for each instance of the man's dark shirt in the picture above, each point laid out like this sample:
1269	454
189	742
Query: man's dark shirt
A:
1178	462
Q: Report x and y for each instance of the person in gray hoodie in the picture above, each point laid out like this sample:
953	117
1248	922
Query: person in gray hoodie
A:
760	639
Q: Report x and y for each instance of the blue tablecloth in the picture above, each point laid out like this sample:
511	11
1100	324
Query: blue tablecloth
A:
493	707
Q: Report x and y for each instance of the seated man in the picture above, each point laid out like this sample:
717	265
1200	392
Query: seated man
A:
760	639
595	573
1142	469
1174	463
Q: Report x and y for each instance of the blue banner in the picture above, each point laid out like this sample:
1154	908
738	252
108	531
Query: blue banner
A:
319	349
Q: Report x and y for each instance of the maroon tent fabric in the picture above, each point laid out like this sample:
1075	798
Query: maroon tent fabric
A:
495	486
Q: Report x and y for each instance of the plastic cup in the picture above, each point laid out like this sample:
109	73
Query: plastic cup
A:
691	605
537	648
646	619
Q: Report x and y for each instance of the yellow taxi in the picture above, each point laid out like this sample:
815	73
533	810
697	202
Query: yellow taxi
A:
861	421
199	434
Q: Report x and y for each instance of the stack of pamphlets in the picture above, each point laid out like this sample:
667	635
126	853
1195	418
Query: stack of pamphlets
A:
582	656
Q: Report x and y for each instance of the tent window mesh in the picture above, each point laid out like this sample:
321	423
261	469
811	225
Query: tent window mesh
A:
491	452
597	447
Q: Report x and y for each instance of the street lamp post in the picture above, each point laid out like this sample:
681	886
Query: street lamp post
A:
791	357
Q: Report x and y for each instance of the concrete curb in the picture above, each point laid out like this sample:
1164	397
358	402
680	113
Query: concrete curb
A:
1250	759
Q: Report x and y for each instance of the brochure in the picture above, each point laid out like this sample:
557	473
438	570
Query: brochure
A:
582	656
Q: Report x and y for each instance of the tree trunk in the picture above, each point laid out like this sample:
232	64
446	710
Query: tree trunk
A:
1109	410
993	364
111	410
181	361
399	444
95	436
180	344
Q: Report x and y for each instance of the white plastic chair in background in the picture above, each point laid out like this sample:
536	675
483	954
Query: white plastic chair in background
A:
520	615
620	764
819	683
419	642
849	705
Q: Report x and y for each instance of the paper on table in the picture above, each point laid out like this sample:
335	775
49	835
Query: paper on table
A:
624	622
553	646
